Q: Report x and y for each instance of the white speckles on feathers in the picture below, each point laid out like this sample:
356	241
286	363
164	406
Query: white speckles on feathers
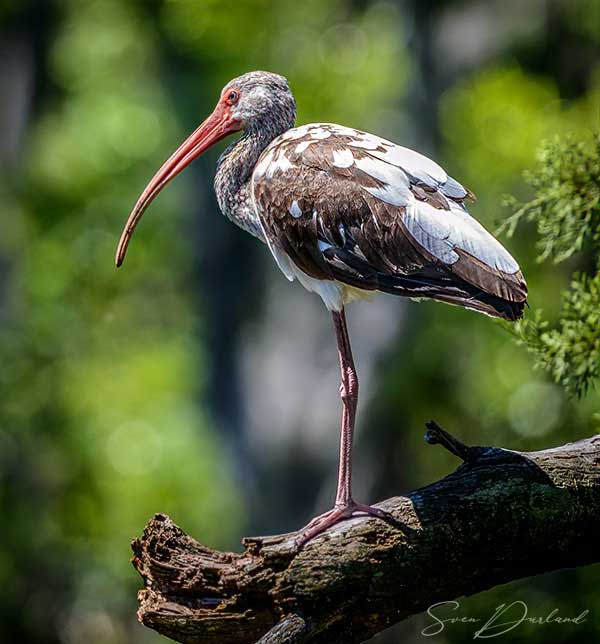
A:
263	164
296	132
295	210
319	133
342	129
365	141
343	158
302	146
280	164
270	164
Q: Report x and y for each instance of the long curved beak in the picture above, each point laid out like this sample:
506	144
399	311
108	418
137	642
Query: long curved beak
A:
217	126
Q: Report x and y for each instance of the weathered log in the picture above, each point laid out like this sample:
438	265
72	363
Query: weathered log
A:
502	515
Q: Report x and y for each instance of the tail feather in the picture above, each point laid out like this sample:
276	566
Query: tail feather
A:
452	290
434	281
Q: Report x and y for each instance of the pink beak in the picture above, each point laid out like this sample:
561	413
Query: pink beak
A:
217	126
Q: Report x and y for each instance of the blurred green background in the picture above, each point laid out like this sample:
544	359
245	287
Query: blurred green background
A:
196	381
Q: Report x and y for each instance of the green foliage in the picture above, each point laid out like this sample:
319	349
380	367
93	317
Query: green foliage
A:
566	209
566	212
570	351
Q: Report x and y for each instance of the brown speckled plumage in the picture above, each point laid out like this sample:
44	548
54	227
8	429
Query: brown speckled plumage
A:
365	242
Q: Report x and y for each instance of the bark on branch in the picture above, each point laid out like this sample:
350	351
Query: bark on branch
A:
500	516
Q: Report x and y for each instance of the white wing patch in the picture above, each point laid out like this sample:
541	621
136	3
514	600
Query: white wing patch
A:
441	232
302	146
296	132
431	230
365	141
477	241
415	164
314	130
342	129
395	189
273	161
263	164
343	158
280	164
319	133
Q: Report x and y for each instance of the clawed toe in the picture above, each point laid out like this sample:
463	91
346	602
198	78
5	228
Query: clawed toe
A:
372	511
339	513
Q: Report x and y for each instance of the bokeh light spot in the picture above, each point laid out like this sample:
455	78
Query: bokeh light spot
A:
134	448
535	408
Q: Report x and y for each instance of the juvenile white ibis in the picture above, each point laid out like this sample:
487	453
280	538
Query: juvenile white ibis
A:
346	213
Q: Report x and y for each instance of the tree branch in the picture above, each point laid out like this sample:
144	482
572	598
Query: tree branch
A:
500	516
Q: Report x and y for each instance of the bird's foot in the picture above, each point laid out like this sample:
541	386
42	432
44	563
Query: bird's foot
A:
335	515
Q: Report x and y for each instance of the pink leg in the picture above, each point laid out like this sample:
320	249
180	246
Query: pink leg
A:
345	506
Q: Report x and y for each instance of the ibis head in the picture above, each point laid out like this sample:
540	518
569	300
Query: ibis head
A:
256	101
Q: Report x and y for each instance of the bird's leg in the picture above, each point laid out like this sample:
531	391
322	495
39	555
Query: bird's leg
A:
345	506
349	396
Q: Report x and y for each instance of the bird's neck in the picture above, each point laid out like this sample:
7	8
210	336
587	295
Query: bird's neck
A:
232	179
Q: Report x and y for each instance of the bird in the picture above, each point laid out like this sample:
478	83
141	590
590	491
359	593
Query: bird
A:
347	214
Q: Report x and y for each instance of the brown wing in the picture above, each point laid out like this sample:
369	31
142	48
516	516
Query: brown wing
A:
341	206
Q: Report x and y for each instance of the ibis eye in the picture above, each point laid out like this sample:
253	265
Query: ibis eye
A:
233	97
